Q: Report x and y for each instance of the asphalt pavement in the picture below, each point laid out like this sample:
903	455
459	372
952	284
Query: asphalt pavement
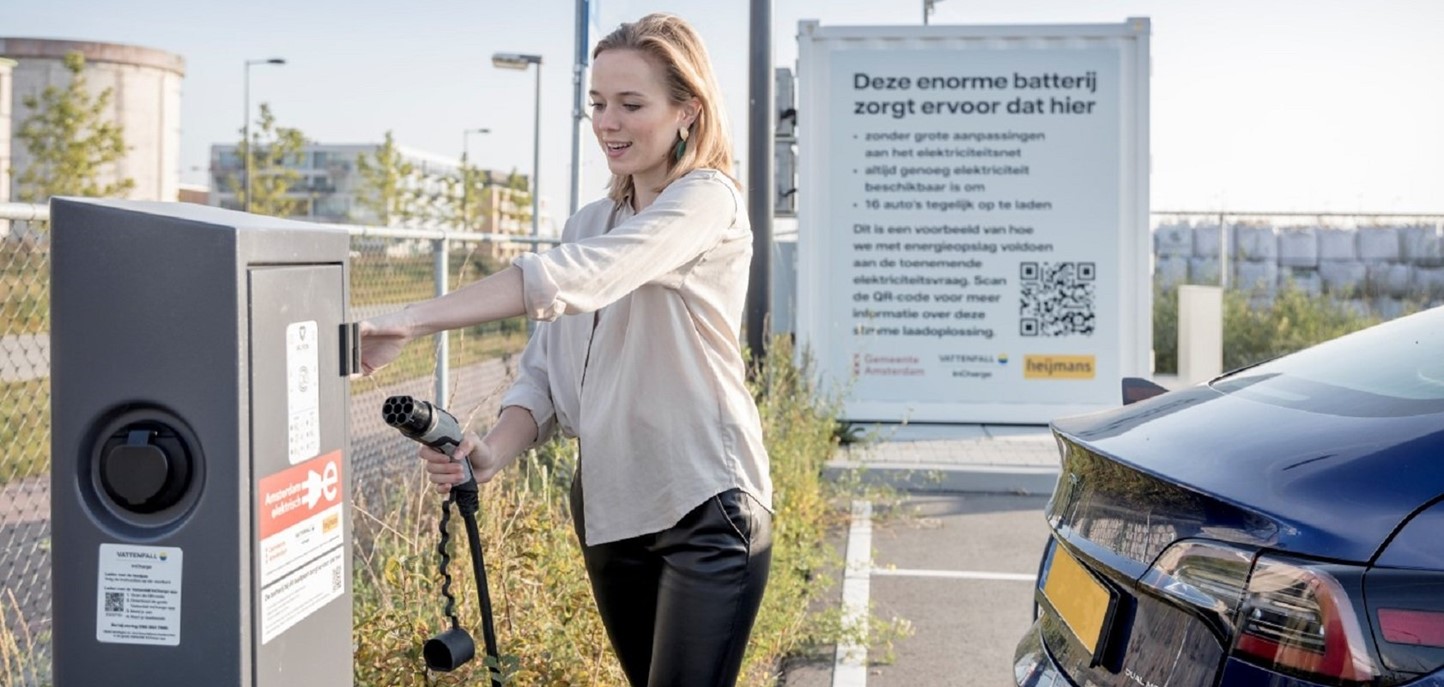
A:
955	556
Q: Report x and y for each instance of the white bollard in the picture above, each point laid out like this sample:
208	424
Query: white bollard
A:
1200	333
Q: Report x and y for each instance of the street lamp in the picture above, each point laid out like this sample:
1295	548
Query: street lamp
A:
929	6
466	139
507	60
246	129
465	181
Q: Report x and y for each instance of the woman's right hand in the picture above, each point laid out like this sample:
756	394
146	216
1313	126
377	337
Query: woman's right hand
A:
382	339
445	472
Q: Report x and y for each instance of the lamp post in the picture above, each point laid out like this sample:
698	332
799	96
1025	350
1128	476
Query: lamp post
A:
246	128
929	6
465	181
506	60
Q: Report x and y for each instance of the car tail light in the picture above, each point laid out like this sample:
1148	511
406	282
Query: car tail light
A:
1419	628
1301	617
1407	607
1205	575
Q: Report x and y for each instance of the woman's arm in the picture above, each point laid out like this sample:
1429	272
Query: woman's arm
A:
514	431
496	297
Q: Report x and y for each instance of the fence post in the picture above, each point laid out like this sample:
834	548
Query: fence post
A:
1224	259
443	265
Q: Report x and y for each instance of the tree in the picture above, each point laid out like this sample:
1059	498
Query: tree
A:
388	185
70	141
472	197
270	149
520	198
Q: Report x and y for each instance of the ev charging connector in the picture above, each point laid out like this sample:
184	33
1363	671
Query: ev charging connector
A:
434	427
200	476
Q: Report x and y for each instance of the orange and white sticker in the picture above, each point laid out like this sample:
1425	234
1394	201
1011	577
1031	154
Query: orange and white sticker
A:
300	528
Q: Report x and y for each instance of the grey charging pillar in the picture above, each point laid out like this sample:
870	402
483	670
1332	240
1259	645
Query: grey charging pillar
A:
199	524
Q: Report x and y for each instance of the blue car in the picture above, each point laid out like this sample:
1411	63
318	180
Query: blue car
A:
1282	525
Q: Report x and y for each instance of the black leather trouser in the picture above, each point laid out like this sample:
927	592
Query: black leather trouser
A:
679	604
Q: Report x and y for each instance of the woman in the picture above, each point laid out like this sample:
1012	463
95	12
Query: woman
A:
636	354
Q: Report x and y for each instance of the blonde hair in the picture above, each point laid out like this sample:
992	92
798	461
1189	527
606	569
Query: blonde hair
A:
674	45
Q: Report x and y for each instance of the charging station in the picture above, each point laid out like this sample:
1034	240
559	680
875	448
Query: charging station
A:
200	476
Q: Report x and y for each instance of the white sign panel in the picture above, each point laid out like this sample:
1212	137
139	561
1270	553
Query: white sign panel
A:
138	595
303	394
973	238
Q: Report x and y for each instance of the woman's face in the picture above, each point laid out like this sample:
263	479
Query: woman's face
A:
635	121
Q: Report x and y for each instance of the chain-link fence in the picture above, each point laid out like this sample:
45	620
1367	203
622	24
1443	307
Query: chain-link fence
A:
469	369
466	369
25	438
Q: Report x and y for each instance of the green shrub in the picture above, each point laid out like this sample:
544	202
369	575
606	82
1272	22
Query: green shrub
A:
1257	329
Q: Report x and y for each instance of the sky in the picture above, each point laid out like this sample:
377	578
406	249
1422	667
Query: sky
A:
1257	105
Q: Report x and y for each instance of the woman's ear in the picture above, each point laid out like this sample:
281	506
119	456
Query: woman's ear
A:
690	111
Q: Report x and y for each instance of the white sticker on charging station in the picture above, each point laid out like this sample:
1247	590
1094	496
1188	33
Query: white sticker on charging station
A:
303	397
138	595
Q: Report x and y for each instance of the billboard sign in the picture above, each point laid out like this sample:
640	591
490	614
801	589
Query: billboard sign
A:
973	204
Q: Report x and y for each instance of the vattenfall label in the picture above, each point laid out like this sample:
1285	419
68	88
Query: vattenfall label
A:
1059	367
138	595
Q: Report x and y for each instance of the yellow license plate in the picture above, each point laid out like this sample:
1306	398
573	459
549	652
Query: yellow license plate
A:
1080	600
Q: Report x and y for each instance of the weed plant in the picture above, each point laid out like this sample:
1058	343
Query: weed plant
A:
24	654
547	626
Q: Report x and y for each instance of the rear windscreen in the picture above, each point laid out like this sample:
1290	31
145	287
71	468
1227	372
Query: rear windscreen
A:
1396	368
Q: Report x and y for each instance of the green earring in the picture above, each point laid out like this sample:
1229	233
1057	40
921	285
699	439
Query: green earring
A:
681	148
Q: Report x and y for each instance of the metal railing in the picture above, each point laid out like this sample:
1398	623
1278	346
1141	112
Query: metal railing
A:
25	212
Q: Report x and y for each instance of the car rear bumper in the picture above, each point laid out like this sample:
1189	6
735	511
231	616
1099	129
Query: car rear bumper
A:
1032	666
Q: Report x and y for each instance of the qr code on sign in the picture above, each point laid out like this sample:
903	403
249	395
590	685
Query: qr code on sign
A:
1057	298
115	602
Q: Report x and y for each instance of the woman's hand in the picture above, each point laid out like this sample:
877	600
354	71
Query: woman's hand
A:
382	339
445	472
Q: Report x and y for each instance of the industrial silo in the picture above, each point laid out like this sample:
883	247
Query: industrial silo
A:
6	69
146	87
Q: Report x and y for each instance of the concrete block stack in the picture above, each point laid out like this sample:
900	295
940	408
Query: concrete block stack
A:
1340	270
1255	258
1381	269
1203	266
1423	249
1299	259
1172	248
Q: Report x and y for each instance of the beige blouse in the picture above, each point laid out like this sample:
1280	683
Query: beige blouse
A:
653	385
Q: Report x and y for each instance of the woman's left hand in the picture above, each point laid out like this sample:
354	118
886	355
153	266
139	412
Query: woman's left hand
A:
382	339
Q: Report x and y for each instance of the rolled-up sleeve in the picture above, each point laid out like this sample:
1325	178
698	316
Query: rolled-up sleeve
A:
689	217
532	388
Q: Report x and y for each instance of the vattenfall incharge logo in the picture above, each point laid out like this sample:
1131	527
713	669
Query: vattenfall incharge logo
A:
1059	367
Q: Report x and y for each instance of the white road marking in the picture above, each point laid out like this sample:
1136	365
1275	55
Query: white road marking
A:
849	667
955	574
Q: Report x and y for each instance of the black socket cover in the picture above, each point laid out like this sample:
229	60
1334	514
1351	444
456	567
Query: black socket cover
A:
145	467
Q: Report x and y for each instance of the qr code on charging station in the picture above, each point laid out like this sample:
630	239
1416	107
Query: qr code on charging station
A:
1057	298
